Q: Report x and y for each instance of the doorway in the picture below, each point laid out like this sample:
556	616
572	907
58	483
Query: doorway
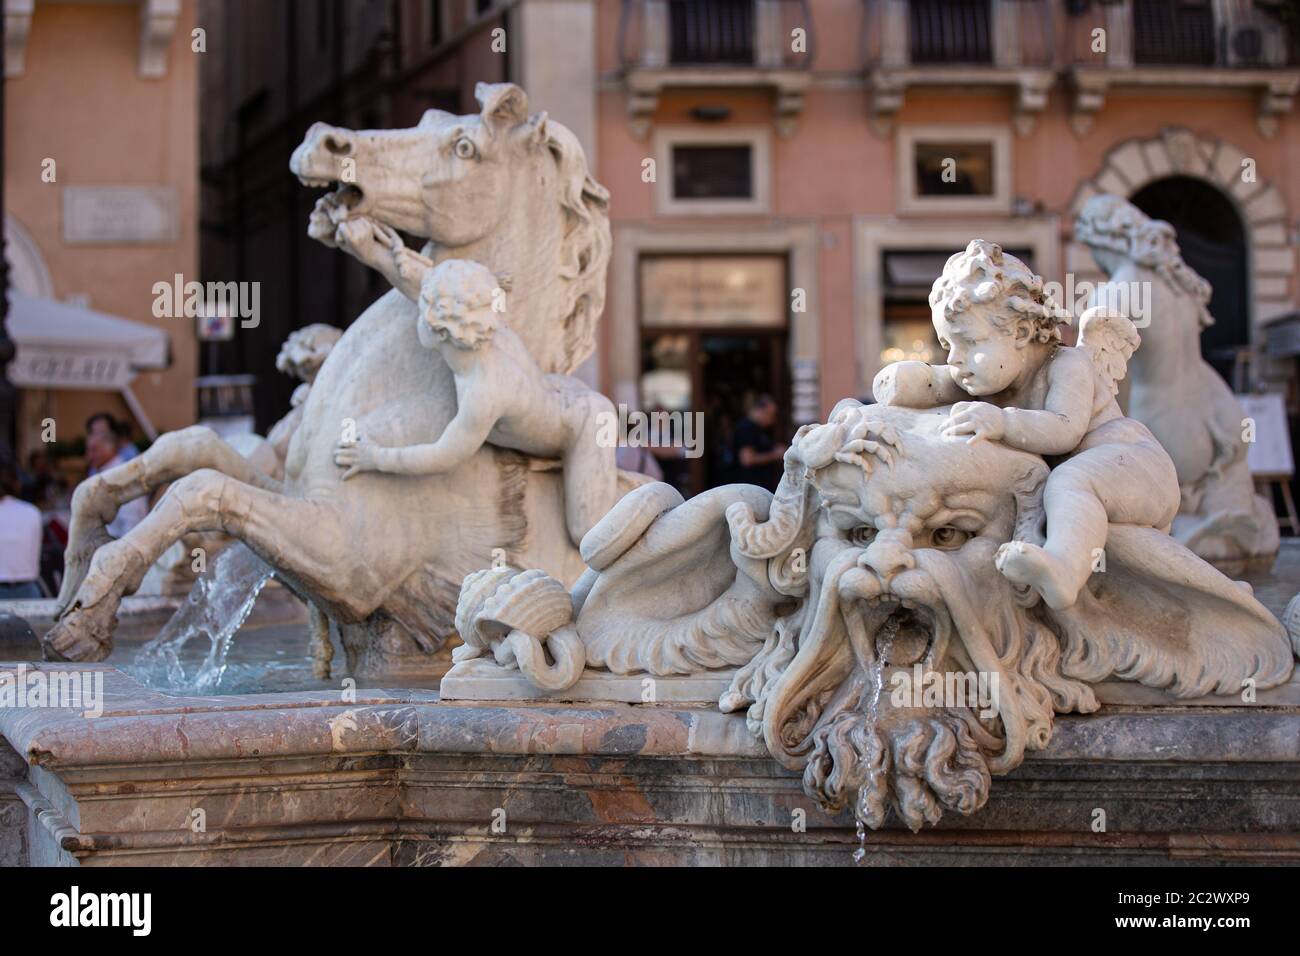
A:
714	336
1212	238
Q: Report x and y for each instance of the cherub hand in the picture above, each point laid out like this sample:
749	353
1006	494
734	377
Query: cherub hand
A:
356	456
977	419
321	225
356	236
815	446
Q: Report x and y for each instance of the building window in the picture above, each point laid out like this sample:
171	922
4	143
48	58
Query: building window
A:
433	22
1173	32
954	169
950	31
713	172
322	24
711	31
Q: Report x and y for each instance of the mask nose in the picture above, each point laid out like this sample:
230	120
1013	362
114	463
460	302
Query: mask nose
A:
889	553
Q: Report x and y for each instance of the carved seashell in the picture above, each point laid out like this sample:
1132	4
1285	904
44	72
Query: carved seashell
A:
477	588
531	601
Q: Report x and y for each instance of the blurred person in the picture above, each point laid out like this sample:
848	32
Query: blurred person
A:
20	539
758	454
104	450
41	485
126	447
638	457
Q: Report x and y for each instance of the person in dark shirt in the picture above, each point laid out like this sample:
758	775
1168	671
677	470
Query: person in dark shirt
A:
758	454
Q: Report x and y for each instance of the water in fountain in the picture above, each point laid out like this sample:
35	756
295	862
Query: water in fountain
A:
884	645
216	607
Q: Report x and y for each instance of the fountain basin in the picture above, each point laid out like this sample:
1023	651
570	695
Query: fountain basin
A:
399	777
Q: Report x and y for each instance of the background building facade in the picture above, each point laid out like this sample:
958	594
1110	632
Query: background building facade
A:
101	203
779	203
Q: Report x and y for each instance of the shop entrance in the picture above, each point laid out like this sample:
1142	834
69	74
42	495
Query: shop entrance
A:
714	336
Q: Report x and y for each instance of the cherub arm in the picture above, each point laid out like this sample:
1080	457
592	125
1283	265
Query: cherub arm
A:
462	437
1060	425
916	385
380	247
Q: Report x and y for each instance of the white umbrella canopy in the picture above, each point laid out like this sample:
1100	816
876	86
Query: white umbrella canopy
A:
67	346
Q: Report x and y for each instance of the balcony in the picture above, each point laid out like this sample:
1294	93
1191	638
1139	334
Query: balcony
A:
709	44
1182	44
959	45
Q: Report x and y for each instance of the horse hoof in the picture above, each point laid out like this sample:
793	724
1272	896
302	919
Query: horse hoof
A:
82	636
81	550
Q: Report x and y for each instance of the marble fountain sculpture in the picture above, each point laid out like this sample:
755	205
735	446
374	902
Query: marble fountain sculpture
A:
1176	393
942	584
993	522
301	356
447	468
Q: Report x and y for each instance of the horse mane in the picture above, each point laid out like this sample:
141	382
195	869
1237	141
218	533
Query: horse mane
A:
585	249
1109	222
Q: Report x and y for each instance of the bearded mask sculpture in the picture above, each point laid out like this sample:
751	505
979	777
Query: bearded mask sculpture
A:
879	649
864	585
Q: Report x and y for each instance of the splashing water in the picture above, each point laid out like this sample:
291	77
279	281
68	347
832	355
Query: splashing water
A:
216	607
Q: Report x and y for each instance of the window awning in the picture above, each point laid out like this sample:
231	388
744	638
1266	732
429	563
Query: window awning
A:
67	346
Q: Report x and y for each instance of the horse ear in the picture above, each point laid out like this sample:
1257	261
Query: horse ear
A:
535	131
505	105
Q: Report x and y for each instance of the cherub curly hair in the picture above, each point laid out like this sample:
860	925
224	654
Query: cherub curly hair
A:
456	295
983	273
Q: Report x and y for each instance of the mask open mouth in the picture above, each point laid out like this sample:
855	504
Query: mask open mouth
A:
899	632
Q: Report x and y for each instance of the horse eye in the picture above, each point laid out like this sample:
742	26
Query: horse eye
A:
862	535
465	148
948	537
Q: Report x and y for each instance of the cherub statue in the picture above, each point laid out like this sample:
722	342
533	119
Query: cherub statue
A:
502	396
1002	334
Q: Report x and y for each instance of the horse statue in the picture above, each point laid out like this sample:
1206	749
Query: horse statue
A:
383	555
1175	392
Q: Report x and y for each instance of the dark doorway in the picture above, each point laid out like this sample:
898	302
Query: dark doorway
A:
1213	243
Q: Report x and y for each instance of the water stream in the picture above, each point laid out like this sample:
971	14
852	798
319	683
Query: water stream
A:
216	607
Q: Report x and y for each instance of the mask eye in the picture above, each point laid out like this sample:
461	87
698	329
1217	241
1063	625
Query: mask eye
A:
862	535
465	148
947	538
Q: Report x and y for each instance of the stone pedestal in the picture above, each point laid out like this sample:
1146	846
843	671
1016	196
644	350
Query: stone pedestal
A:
402	778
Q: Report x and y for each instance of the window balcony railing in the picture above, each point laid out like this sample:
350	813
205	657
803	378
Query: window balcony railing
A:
1006	44
950	31
939	34
1249	45
1159	34
715	34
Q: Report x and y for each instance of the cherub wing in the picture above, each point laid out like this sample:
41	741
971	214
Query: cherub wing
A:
1110	338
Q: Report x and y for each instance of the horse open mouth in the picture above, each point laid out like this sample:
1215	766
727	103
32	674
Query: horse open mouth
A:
345	200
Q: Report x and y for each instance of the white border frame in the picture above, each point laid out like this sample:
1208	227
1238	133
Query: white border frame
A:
758	138
904	161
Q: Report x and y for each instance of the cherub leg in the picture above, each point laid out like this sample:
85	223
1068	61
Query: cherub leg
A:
1112	483
590	471
1076	527
298	537
96	501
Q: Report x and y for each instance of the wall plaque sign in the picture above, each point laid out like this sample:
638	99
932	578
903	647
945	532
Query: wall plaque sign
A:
120	214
